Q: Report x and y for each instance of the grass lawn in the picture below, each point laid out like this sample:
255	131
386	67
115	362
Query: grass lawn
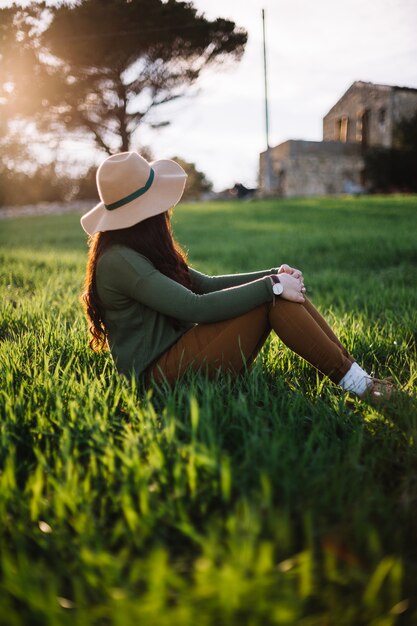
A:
266	501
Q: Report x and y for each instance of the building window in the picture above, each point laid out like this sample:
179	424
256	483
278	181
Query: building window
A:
362	127
382	115
342	129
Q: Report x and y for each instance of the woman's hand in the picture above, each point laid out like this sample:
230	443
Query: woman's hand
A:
286	269
293	288
291	271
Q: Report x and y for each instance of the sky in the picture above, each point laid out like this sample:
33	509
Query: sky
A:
315	51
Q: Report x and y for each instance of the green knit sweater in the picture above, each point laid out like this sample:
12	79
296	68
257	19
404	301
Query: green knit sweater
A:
138	301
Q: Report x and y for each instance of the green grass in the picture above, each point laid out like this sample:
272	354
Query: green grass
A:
252	503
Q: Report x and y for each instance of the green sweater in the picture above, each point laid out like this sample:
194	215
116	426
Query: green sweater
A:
138	300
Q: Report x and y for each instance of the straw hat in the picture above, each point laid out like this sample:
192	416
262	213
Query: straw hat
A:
131	190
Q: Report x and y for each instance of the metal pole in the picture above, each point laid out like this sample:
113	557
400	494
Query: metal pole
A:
265	81
268	168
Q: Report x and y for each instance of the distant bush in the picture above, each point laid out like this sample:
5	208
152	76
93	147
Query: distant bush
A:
197	182
391	169
47	184
84	187
18	188
44	185
394	169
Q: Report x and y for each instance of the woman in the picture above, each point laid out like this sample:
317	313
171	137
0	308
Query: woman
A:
161	317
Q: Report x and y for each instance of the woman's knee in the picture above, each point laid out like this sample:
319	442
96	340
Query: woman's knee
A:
284	309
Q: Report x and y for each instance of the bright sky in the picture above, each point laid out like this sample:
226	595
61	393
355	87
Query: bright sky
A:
316	50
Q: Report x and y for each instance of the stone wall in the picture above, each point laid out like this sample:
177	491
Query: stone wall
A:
313	168
322	176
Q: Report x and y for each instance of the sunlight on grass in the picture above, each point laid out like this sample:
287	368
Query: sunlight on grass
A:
267	500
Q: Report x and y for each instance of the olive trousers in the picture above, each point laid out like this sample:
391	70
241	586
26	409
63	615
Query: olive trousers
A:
233	344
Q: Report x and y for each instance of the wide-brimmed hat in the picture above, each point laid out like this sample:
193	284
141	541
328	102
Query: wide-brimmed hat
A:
131	190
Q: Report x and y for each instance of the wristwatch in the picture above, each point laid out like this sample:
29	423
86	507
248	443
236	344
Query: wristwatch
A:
277	287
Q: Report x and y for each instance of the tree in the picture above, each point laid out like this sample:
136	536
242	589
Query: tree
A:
197	183
406	133
393	169
102	66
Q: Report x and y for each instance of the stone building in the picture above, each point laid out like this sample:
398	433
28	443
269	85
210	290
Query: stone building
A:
365	116
368	114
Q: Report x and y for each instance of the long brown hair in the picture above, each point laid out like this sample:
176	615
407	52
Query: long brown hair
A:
154	239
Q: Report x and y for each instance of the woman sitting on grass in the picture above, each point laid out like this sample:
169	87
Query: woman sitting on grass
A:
161	317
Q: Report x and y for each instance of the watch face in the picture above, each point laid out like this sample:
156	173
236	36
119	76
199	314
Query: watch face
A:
277	289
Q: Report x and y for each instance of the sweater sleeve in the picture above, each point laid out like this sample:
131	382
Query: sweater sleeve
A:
208	284
128	273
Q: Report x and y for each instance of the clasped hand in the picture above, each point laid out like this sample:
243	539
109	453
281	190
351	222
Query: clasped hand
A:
292	281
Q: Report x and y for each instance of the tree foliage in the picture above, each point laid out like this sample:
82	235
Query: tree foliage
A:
197	183
102	66
394	169
406	133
